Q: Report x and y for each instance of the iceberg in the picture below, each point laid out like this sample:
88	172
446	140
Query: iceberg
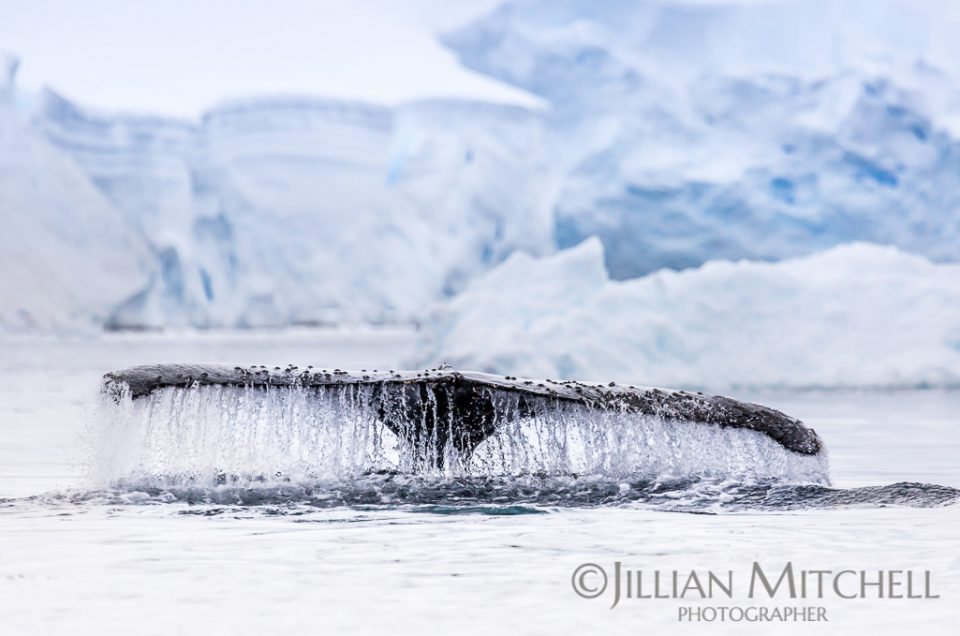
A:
67	256
857	315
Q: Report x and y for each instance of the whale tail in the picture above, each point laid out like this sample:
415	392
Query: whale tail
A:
442	411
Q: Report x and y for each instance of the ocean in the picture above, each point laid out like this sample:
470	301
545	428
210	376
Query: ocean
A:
474	554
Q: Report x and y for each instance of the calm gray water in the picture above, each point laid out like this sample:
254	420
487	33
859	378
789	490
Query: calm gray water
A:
392	551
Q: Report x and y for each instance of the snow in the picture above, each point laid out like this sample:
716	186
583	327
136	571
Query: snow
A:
178	57
858	315
525	41
691	131
667	136
8	71
66	256
310	211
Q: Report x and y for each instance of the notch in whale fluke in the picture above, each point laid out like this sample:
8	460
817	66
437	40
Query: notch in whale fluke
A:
462	408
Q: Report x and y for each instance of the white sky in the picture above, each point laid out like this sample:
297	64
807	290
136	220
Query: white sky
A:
179	57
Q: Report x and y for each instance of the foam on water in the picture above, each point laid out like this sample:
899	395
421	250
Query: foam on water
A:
505	495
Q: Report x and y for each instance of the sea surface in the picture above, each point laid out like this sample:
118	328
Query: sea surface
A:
391	552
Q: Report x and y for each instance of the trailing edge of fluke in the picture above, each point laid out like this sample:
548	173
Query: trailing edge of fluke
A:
464	407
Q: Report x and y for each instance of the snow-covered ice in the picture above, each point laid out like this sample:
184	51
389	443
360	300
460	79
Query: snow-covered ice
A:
178	57
303	210
692	131
281	209
67	257
855	315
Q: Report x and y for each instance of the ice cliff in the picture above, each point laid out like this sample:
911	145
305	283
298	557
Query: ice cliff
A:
67	257
308	211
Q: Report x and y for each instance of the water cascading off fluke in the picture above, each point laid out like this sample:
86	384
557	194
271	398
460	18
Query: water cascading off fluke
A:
192	418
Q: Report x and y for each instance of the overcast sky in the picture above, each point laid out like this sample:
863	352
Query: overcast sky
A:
180	56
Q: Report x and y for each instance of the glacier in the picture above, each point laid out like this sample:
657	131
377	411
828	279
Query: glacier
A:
677	132
690	131
67	256
299	210
857	315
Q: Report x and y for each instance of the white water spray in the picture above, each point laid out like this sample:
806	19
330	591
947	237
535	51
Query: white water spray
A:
207	436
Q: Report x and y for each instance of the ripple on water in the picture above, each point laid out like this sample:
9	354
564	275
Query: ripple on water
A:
529	494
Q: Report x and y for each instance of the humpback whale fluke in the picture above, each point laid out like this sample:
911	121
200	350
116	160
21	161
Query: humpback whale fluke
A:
436	407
